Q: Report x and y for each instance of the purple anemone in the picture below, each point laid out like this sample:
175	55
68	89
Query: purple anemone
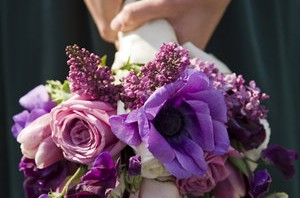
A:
177	123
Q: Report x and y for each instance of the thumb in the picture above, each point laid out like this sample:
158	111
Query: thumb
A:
135	14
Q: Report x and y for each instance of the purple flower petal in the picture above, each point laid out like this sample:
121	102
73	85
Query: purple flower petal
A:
222	141
259	185
175	168
37	98
281	158
215	101
159	147
20	122
126	132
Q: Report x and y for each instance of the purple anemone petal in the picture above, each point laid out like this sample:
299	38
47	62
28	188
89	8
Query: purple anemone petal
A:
196	152
160	148
127	133
157	100
221	138
197	81
215	101
207	133
175	168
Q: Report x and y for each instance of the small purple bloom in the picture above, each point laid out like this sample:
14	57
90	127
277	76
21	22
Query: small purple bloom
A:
37	102
41	181
259	185
178	123
98	181
281	158
249	132
134	165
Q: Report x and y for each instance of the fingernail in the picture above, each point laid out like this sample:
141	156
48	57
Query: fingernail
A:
116	25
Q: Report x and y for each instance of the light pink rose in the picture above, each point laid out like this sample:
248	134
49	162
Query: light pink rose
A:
217	172
81	129
36	142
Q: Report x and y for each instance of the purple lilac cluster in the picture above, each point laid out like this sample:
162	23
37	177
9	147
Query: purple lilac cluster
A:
90	79
169	63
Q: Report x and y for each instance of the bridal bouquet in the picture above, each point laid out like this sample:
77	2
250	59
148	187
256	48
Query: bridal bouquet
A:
173	127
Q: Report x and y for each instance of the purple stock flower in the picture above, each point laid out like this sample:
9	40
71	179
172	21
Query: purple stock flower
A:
41	181
98	181
259	185
135	165
178	123
37	102
281	158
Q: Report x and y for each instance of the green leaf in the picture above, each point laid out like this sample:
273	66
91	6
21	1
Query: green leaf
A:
103	60
58	92
239	164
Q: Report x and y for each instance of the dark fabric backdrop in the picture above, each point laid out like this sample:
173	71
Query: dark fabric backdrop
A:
259	39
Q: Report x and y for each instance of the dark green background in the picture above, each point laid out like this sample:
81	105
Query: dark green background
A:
259	39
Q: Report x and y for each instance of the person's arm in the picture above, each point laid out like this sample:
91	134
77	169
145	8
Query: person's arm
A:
102	12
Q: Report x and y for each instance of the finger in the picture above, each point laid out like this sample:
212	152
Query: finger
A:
135	14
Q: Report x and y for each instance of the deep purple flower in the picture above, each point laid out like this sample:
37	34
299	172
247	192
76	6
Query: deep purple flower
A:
135	165
259	185
37	102
178	123
250	133
41	181
98	181
281	158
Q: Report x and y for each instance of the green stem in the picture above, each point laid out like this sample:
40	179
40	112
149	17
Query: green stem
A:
75	176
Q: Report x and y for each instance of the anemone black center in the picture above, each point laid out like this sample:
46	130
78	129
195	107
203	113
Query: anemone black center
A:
168	122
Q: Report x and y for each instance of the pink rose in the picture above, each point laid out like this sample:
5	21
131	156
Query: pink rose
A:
36	142
81	129
217	172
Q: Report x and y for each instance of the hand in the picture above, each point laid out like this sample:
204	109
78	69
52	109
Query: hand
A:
193	20
103	11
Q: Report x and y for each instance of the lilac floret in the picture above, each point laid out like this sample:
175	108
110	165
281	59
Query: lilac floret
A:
177	123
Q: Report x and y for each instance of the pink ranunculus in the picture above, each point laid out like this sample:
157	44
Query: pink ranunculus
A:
217	172
81	129
36	142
